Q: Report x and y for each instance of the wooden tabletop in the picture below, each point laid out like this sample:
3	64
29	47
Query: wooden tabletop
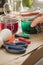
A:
35	49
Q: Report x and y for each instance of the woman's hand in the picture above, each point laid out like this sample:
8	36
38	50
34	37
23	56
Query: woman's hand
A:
37	20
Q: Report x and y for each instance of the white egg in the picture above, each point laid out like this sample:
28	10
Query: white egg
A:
1	42
5	34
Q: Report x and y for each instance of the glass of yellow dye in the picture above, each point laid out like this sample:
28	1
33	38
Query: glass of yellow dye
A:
28	2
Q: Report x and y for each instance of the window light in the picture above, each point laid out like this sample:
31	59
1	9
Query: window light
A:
40	0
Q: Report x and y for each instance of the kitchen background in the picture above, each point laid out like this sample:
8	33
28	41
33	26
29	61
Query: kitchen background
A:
34	3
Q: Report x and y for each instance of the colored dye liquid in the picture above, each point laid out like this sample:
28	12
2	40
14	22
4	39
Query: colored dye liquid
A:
9	26
2	26
13	26
26	27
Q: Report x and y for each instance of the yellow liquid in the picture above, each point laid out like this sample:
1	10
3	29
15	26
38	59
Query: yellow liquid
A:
28	2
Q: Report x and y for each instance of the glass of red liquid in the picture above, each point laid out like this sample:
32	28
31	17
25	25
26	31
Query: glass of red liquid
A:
12	24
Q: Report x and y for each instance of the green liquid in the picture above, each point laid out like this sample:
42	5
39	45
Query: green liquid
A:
26	27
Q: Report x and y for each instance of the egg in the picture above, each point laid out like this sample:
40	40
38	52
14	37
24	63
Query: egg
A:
5	34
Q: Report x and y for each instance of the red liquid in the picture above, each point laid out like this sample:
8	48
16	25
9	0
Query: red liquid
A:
2	26
13	26
9	26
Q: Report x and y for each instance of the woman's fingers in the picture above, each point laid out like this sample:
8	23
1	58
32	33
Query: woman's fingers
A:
36	21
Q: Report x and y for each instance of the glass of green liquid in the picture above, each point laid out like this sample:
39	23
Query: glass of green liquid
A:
26	27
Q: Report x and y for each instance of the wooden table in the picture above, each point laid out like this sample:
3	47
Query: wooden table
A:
26	59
